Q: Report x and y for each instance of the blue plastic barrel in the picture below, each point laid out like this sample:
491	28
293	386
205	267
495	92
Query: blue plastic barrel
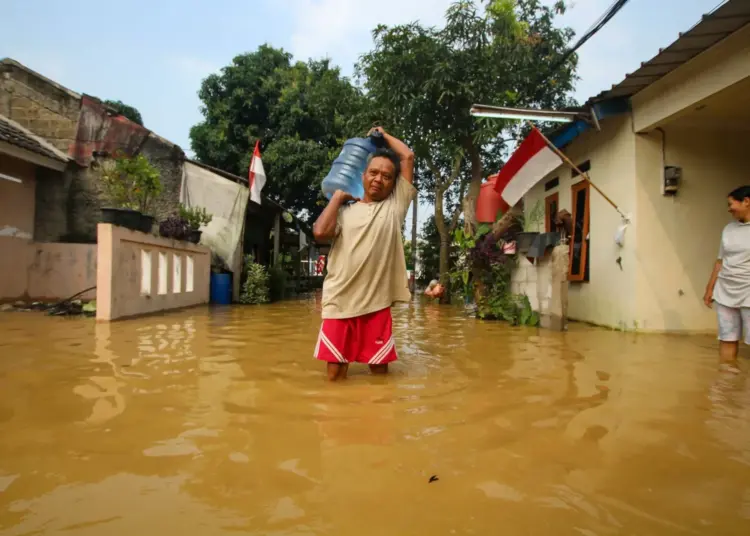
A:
221	289
347	170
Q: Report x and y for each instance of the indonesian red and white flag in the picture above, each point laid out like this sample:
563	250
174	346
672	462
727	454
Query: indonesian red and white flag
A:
257	175
531	162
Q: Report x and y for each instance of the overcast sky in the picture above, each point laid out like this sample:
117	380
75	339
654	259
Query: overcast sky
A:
154	54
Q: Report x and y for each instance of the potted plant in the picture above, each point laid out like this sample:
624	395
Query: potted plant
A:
117	187
131	183
174	227
146	186
530	221
195	217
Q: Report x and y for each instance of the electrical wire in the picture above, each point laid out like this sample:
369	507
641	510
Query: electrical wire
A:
591	32
607	16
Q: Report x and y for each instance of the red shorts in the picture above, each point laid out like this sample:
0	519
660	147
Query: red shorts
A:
362	339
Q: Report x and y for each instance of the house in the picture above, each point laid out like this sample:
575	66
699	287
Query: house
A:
32	269
668	144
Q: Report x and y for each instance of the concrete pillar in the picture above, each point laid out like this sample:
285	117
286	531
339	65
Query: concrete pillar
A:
552	289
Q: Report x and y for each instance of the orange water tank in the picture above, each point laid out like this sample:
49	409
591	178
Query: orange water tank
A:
489	202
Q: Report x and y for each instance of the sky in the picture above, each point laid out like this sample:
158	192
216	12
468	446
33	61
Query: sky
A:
153	54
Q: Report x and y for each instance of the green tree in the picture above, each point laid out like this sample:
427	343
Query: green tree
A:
427	79
123	109
301	113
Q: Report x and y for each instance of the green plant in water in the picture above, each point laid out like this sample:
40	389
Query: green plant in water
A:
278	277
255	287
132	182
195	216
499	303
460	275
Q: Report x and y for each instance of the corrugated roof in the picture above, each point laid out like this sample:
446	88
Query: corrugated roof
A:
14	134
712	28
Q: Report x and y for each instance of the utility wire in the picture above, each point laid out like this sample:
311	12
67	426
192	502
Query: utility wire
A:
593	30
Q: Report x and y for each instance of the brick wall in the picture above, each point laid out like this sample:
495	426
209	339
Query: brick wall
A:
39	104
546	285
168	159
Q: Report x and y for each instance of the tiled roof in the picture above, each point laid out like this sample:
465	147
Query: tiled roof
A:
14	134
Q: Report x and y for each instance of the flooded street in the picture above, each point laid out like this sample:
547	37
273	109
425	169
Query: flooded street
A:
213	422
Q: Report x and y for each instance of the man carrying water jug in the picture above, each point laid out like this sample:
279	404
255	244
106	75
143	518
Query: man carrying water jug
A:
366	265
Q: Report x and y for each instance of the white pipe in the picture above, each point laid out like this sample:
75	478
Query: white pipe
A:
519	117
9	178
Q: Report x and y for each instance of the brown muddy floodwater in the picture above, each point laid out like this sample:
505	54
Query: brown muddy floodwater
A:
219	422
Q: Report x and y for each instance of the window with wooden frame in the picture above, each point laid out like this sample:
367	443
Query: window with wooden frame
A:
579	241
551	206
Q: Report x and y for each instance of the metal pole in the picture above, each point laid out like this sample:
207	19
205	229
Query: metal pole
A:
581	173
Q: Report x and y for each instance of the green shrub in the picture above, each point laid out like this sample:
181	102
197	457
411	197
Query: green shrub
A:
132	182
195	216
277	285
255	287
499	303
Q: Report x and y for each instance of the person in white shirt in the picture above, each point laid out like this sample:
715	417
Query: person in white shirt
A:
728	290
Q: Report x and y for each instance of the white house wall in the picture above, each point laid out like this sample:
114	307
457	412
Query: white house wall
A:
678	237
608	298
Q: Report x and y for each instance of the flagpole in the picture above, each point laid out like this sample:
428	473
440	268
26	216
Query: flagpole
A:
581	173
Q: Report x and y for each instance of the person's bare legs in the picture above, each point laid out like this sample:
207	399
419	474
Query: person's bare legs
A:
379	369
337	371
728	353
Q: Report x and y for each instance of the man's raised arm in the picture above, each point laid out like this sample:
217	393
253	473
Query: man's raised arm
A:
403	152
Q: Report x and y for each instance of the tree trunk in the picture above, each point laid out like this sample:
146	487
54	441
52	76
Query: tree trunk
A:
414	238
445	251
445	242
470	202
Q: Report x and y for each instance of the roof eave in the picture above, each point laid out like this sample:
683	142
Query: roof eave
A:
31	156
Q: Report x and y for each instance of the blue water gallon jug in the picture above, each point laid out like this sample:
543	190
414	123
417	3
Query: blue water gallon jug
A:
346	172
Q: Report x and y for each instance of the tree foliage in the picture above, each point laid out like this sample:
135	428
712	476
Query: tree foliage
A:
301	113
427	79
123	109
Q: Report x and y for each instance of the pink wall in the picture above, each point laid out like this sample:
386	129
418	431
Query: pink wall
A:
14	265
139	273
61	270
39	271
17	199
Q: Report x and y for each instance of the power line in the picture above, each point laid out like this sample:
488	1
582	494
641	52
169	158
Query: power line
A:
593	30
598	25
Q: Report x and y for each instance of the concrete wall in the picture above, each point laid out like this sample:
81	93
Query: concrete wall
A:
14	261
139	273
58	271
546	285
35	271
608	298
17	199
678	237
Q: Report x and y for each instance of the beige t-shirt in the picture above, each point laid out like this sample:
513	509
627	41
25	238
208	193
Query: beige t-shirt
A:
366	265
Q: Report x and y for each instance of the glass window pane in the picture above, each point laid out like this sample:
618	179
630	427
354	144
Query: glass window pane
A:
579	238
